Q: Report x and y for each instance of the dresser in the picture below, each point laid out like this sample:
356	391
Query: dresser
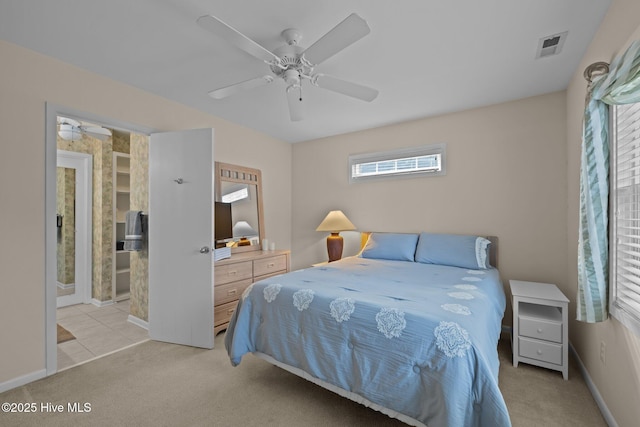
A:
233	275
540	325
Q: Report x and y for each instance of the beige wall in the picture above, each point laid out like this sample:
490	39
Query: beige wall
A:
618	381
27	81
505	177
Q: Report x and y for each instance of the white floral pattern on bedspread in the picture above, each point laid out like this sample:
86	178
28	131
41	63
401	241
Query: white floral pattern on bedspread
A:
341	309
271	292
391	322
452	339
457	308
391	332
302	299
460	295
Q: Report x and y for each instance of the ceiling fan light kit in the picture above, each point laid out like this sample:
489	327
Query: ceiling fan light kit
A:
72	130
294	64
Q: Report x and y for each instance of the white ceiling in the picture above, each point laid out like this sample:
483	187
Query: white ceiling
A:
425	57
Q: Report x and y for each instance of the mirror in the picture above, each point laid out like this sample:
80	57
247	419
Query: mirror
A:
65	222
238	195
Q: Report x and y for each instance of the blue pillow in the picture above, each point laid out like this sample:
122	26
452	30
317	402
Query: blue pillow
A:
394	246
454	250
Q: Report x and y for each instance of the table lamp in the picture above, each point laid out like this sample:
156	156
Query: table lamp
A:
242	229
335	222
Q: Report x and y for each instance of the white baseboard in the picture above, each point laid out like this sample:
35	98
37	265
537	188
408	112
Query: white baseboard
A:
604	410
66	286
138	322
20	381
100	303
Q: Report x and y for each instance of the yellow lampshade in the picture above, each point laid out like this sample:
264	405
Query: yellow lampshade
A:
335	222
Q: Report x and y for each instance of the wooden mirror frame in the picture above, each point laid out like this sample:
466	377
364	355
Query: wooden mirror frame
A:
242	175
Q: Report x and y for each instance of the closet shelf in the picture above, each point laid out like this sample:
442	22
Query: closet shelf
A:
121	280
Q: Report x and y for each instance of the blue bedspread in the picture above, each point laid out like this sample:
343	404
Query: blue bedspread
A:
419	339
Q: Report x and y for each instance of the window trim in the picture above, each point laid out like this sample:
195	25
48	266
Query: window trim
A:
380	156
624	315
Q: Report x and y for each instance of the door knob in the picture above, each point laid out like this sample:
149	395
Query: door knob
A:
204	250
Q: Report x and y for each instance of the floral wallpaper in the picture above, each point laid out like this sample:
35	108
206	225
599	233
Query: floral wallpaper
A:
139	179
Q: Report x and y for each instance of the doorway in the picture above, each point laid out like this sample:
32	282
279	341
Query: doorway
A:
194	302
101	310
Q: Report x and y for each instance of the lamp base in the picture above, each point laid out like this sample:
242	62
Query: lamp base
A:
334	246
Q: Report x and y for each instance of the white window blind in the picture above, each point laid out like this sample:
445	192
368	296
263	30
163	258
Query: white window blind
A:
428	159
625	200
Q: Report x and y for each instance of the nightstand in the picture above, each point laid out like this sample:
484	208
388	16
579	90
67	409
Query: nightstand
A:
540	326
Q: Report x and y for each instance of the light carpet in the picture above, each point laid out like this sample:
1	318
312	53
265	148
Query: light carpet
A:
159	384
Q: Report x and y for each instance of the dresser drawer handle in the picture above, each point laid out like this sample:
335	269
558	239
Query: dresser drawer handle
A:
270	265
231	292
230	311
539	330
232	273
539	352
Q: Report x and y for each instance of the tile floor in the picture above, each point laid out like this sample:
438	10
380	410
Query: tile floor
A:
98	331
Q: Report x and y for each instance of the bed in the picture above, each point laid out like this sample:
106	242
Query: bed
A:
408	327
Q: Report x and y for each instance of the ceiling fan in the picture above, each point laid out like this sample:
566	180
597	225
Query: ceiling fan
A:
72	130
293	63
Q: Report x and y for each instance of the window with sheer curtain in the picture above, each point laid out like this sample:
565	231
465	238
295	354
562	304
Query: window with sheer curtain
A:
625	224
608	267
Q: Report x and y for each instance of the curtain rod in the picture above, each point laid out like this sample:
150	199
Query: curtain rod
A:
596	69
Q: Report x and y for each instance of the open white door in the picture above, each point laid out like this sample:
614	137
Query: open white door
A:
181	173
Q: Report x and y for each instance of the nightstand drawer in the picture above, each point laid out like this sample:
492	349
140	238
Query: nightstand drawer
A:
232	272
222	313
230	291
540	329
540	350
269	265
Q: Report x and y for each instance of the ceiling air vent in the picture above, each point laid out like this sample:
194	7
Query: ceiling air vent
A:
551	45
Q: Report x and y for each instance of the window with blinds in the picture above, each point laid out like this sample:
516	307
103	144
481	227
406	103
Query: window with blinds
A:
624	301
428	159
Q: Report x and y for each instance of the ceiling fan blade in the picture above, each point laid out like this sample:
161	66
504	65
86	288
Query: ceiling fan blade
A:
97	132
233	36
226	91
344	87
294	99
347	32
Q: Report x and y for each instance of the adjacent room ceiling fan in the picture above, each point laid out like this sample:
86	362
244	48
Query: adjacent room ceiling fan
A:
72	130
293	63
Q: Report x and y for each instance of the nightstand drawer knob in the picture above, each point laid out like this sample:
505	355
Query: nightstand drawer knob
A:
539	330
539	352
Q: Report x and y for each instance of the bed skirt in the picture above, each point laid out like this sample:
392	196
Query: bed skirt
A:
341	392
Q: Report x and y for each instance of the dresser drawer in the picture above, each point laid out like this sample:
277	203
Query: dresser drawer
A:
540	350
222	313
233	272
267	266
540	329
230	291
